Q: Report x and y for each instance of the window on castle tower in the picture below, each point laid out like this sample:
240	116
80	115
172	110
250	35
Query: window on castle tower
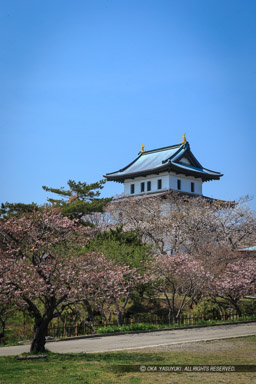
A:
179	185
192	187
132	189
159	184
142	187
149	186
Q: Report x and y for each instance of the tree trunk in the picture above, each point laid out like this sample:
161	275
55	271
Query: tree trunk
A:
174	316
171	309
169	316
40	332
90	326
2	326
236	306
119	319
89	310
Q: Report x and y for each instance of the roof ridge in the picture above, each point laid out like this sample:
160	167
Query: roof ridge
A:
161	149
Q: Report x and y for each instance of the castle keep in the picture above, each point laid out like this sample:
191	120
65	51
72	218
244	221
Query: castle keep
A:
163	169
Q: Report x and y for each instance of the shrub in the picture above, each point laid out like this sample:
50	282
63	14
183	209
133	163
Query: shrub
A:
206	308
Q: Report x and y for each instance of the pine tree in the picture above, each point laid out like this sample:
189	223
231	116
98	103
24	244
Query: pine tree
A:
16	209
123	248
79	199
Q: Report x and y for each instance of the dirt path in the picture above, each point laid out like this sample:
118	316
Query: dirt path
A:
141	340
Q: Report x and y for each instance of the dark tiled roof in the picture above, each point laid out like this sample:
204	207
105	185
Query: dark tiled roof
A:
164	159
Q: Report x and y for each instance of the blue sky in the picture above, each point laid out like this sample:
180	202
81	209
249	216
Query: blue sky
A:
84	83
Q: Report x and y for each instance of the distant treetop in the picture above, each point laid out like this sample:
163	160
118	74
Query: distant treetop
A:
79	199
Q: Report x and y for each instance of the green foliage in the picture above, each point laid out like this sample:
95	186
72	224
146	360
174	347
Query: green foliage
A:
205	308
130	328
208	308
79	199
125	248
151	326
19	326
16	209
78	208
248	305
117	234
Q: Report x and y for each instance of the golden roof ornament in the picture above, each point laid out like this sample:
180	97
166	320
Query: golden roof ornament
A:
142	148
184	139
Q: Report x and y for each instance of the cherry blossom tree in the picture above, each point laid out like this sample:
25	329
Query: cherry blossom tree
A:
232	281
38	268
178	223
178	278
106	286
44	269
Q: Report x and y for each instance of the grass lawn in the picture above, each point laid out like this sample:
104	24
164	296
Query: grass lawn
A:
98	368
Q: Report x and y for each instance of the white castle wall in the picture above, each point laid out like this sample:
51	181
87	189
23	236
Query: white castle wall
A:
169	181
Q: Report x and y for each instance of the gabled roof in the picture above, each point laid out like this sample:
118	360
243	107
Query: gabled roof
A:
176	158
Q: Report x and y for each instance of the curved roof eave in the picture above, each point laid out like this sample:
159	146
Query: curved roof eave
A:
177	168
